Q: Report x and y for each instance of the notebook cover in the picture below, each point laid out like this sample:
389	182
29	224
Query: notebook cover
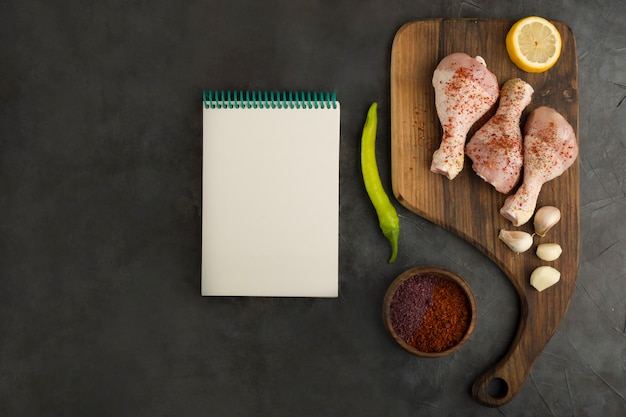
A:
270	213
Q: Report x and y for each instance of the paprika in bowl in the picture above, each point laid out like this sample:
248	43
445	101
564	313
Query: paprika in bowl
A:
429	311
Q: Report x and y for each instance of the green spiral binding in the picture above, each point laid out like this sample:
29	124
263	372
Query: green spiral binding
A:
220	99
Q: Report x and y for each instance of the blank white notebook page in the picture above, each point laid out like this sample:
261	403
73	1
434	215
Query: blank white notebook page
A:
270	204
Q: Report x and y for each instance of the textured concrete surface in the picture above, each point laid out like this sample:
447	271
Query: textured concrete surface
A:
100	179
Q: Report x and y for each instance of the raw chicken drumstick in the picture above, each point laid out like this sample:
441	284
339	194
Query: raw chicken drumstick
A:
464	91
550	148
496	148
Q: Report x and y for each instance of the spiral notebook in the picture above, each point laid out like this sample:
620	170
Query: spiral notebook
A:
270	184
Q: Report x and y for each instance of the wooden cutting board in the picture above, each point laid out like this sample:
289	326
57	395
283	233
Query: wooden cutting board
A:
469	207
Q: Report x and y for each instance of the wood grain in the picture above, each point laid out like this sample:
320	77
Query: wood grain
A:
469	207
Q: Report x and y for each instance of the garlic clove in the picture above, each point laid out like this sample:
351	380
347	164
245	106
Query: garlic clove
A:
544	277
545	218
549	251
517	240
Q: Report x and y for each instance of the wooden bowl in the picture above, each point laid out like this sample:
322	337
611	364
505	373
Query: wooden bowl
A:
436	274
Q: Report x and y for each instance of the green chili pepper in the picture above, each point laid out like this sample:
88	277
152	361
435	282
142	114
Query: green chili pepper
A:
387	215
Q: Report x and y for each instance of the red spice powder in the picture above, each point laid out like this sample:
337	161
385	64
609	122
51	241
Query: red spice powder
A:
446	321
430	313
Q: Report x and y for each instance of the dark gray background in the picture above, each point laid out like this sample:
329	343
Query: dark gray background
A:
100	189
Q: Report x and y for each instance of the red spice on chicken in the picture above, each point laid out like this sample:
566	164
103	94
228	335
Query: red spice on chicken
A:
464	91
496	148
550	148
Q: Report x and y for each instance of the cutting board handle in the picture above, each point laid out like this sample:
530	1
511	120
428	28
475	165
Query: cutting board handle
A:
540	315
502	382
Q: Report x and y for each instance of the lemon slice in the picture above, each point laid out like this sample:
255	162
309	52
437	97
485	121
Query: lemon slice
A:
533	44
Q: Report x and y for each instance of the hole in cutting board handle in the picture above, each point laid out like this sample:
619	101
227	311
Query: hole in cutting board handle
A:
493	391
497	388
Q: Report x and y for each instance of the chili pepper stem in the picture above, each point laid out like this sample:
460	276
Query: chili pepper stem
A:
387	216
392	236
